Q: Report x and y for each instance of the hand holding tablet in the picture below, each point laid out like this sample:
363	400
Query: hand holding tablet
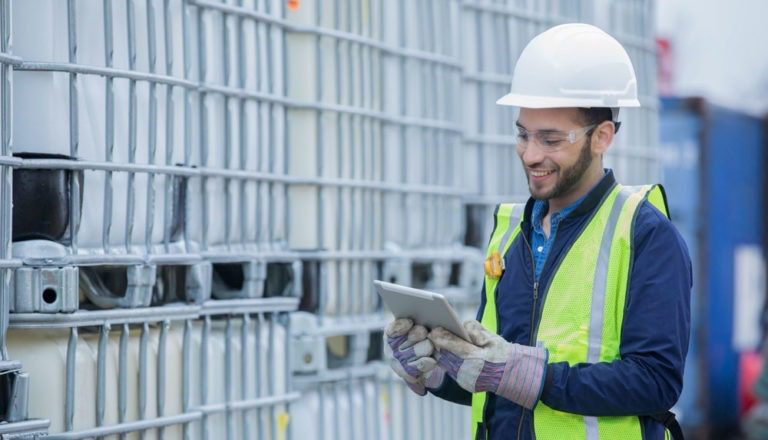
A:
427	308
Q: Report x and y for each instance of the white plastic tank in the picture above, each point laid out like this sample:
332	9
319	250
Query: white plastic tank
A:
270	374
43	354
246	55
41	35
344	410
412	416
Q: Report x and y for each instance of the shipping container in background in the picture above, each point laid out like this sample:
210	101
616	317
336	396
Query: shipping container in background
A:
197	195
713	170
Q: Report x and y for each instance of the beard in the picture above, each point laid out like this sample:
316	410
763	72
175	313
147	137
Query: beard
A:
569	177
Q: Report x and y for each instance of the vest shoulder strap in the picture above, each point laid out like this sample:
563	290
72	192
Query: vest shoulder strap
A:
506	224
655	195
506	218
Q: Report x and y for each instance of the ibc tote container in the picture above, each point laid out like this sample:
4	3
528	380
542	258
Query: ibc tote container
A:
140	145
44	355
376	161
208	378
378	157
242	125
111	120
238	149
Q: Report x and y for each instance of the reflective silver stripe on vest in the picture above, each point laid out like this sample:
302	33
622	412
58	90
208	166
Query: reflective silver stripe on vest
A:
514	218
598	293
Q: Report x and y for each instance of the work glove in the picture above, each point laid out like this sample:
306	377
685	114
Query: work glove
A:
489	363
412	355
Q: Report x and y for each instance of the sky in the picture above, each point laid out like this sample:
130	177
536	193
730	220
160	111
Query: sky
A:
719	50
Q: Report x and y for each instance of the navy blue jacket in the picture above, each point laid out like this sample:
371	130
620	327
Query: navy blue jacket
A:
654	340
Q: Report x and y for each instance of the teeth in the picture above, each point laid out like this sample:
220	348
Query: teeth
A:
540	173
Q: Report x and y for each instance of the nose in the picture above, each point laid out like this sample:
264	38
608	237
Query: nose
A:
530	153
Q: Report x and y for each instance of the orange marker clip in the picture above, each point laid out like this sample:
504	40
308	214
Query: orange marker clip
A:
293	5
494	265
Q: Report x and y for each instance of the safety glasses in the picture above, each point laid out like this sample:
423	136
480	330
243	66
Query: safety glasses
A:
550	140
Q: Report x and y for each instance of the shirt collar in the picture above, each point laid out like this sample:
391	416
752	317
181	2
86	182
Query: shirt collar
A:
541	207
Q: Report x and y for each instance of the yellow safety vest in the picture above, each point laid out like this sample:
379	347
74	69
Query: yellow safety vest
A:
582	316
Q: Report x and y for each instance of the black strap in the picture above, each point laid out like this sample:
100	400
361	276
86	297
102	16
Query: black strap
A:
670	422
666	418
480	433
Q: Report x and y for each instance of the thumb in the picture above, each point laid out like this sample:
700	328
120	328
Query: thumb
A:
443	340
398	327
478	334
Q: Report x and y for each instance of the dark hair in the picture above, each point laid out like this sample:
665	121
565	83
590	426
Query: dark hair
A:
597	115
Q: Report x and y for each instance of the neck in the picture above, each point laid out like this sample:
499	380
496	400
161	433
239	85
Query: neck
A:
587	182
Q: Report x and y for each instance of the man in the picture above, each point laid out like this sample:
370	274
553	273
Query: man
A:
584	317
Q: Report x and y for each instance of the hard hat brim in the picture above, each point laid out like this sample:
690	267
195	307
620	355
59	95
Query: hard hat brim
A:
517	100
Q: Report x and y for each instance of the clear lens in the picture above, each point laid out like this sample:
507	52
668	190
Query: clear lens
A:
550	140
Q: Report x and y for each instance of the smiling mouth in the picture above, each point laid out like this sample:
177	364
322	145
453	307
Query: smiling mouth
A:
537	173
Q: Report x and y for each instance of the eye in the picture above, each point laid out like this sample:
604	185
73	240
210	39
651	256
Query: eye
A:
551	140
522	136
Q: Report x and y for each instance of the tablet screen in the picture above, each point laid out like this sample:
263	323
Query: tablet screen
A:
427	308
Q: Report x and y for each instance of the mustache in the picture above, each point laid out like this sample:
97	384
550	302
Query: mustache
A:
541	167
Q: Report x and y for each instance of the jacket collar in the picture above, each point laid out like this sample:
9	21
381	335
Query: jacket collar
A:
593	199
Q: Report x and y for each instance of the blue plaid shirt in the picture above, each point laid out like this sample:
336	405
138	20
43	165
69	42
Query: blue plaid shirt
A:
539	242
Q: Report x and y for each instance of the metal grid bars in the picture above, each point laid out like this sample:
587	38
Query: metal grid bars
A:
13	408
495	34
411	416
129	124
116	96
6	173
384	79
207	162
166	372
242	126
372	403
381	118
160	172
424	85
357	398
635	155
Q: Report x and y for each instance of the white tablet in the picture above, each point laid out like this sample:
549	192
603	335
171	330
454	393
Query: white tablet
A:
427	308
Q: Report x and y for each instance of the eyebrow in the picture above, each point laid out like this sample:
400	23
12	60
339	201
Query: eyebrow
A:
543	130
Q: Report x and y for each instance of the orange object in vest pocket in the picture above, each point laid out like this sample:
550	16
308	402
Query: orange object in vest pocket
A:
494	266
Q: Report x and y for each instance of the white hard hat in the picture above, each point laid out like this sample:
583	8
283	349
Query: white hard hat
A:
573	65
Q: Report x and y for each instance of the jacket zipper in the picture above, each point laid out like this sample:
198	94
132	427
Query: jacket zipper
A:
533	312
533	317
534	330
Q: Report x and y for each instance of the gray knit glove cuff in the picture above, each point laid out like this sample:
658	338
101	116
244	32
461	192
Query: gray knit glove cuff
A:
523	379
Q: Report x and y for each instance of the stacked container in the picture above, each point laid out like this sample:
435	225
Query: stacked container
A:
183	175
375	138
149	197
714	161
635	156
495	35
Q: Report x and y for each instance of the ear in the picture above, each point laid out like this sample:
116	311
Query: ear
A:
602	137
